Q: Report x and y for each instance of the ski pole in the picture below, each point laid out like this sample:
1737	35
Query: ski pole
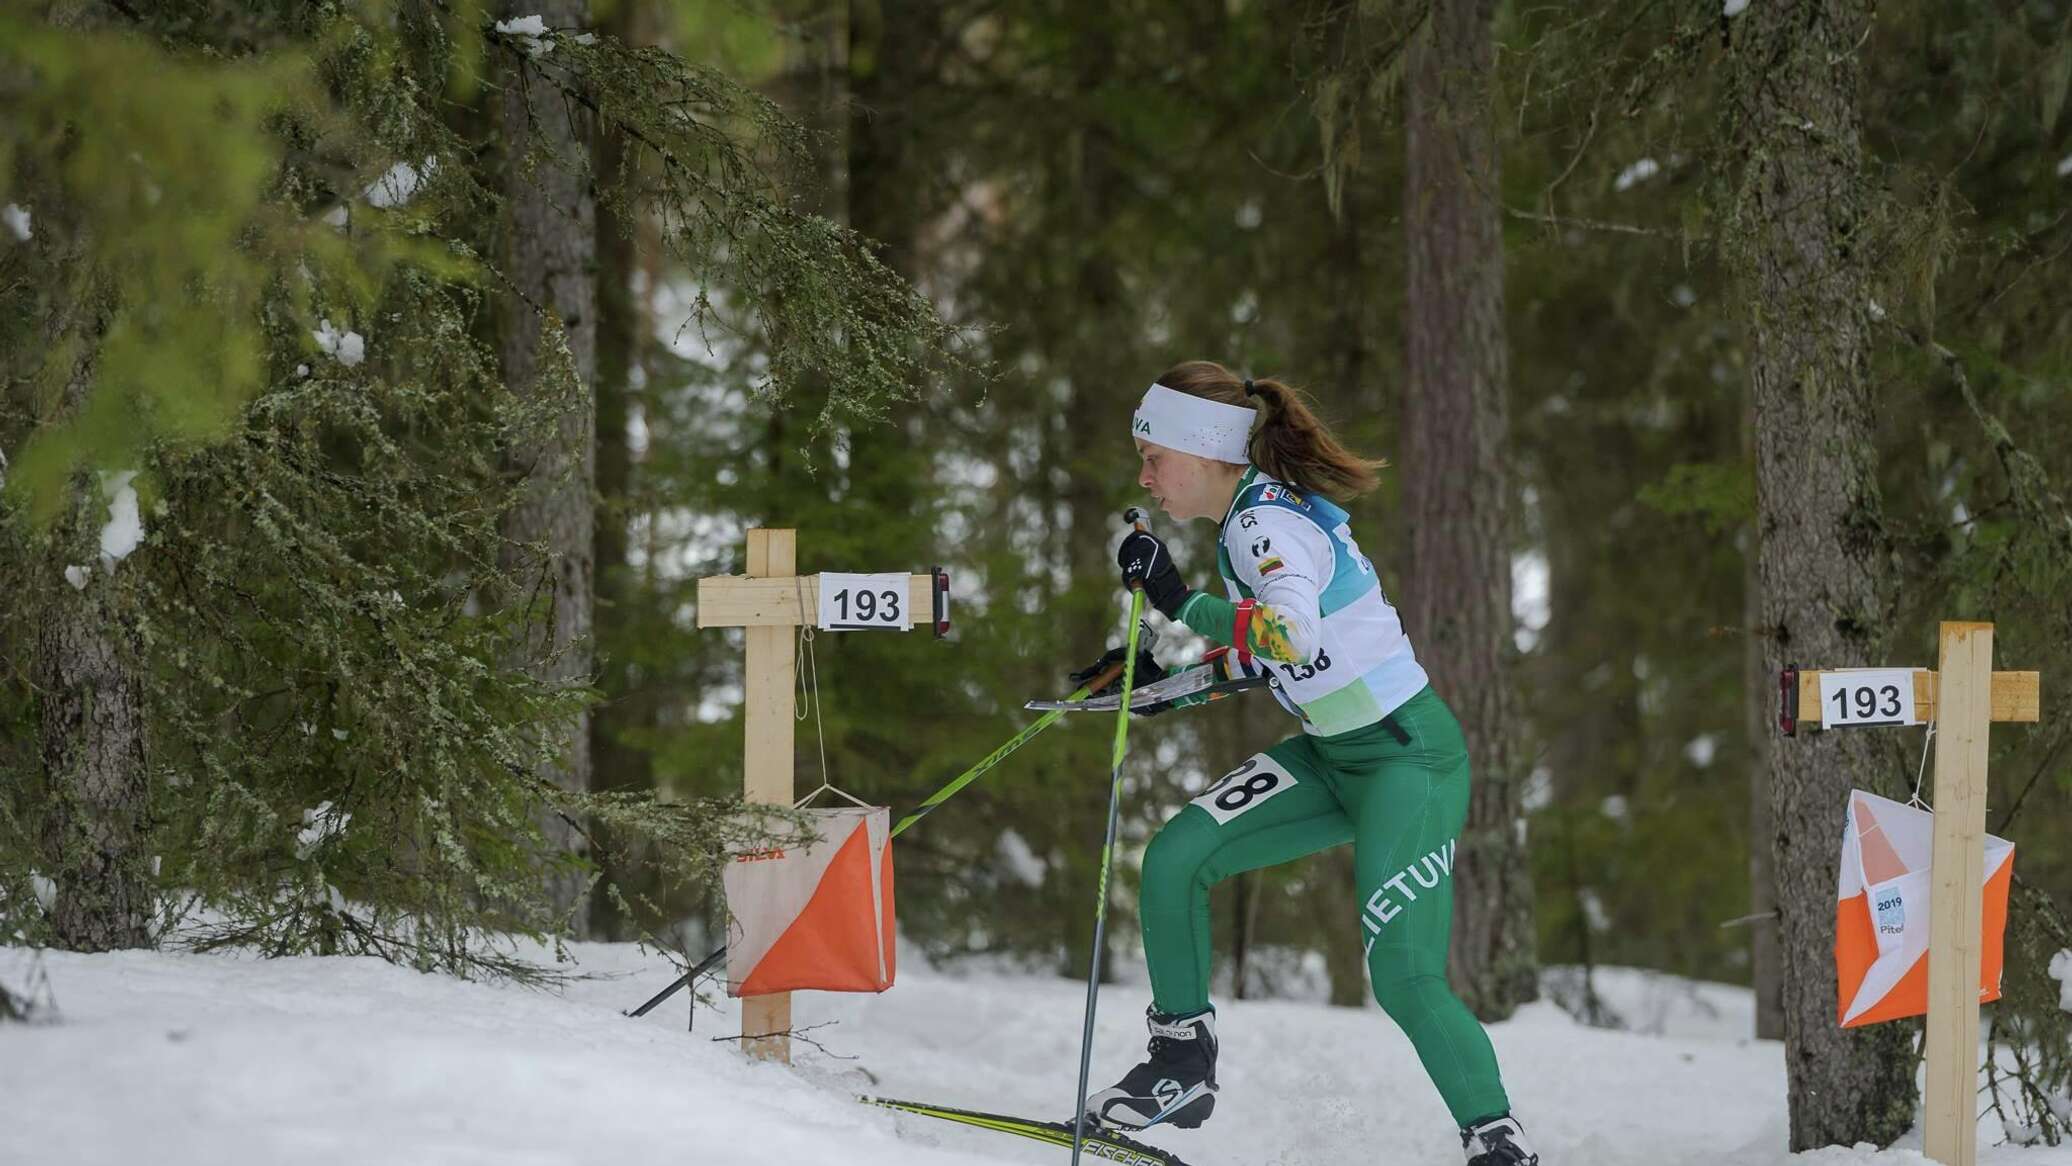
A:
1013	743
1135	518
1106	677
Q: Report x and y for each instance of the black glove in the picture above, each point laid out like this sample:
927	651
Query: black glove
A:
1144	559
1148	672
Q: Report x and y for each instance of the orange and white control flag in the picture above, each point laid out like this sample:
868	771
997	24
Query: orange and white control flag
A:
817	916
1881	914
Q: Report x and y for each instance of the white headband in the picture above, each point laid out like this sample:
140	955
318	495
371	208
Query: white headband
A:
1195	425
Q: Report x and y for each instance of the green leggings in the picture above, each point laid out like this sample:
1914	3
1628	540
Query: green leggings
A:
1398	791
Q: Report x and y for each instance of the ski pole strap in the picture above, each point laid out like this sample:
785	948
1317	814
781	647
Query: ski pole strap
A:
1241	627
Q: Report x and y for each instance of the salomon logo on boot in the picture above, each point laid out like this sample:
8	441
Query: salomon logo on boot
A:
1177	1086
1497	1141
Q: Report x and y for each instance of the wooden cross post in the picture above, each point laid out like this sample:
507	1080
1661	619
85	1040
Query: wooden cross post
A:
770	603
1962	698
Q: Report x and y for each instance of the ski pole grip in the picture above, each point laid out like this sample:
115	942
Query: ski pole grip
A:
1108	676
1138	519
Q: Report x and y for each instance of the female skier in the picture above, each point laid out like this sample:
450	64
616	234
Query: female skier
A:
1380	761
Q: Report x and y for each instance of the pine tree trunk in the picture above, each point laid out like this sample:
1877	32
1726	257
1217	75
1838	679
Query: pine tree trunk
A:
1596	705
1456	492
92	732
91	715
892	58
1243	893
1238	729
93	753
1795	249
1766	964
621	325
1092	451
1337	895
552	242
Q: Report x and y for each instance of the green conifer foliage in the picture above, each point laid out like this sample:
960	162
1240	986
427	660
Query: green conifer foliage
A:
290	220
1633	379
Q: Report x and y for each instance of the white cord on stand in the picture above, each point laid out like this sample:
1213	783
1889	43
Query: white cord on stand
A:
803	662
1921	772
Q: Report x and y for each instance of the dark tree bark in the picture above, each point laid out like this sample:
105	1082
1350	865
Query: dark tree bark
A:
1244	892
1090	181
92	729
1239	729
1766	963
1796	251
552	230
1337	896
894	56
893	61
1597	706
91	716
93	754
1456	491
621	327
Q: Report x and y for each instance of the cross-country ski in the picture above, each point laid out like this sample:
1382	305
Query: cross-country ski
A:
1103	1145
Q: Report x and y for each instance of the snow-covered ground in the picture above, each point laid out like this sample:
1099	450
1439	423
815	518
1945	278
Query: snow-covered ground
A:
170	1059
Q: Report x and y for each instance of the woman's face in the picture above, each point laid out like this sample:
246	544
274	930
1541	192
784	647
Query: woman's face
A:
1185	485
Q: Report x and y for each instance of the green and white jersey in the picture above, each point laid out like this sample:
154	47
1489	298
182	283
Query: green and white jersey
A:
1308	608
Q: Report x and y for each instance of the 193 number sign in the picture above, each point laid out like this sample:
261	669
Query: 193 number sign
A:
1857	697
861	602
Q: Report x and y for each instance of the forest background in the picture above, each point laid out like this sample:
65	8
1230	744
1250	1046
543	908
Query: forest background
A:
894	274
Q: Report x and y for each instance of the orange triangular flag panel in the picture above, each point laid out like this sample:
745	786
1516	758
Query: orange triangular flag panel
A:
818	916
1881	911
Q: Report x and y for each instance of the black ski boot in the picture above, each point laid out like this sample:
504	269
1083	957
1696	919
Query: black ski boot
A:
1497	1141
1177	1086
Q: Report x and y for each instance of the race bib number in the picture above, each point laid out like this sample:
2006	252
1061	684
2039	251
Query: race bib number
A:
1258	779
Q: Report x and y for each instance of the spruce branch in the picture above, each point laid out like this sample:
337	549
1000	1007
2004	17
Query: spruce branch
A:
1555	220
